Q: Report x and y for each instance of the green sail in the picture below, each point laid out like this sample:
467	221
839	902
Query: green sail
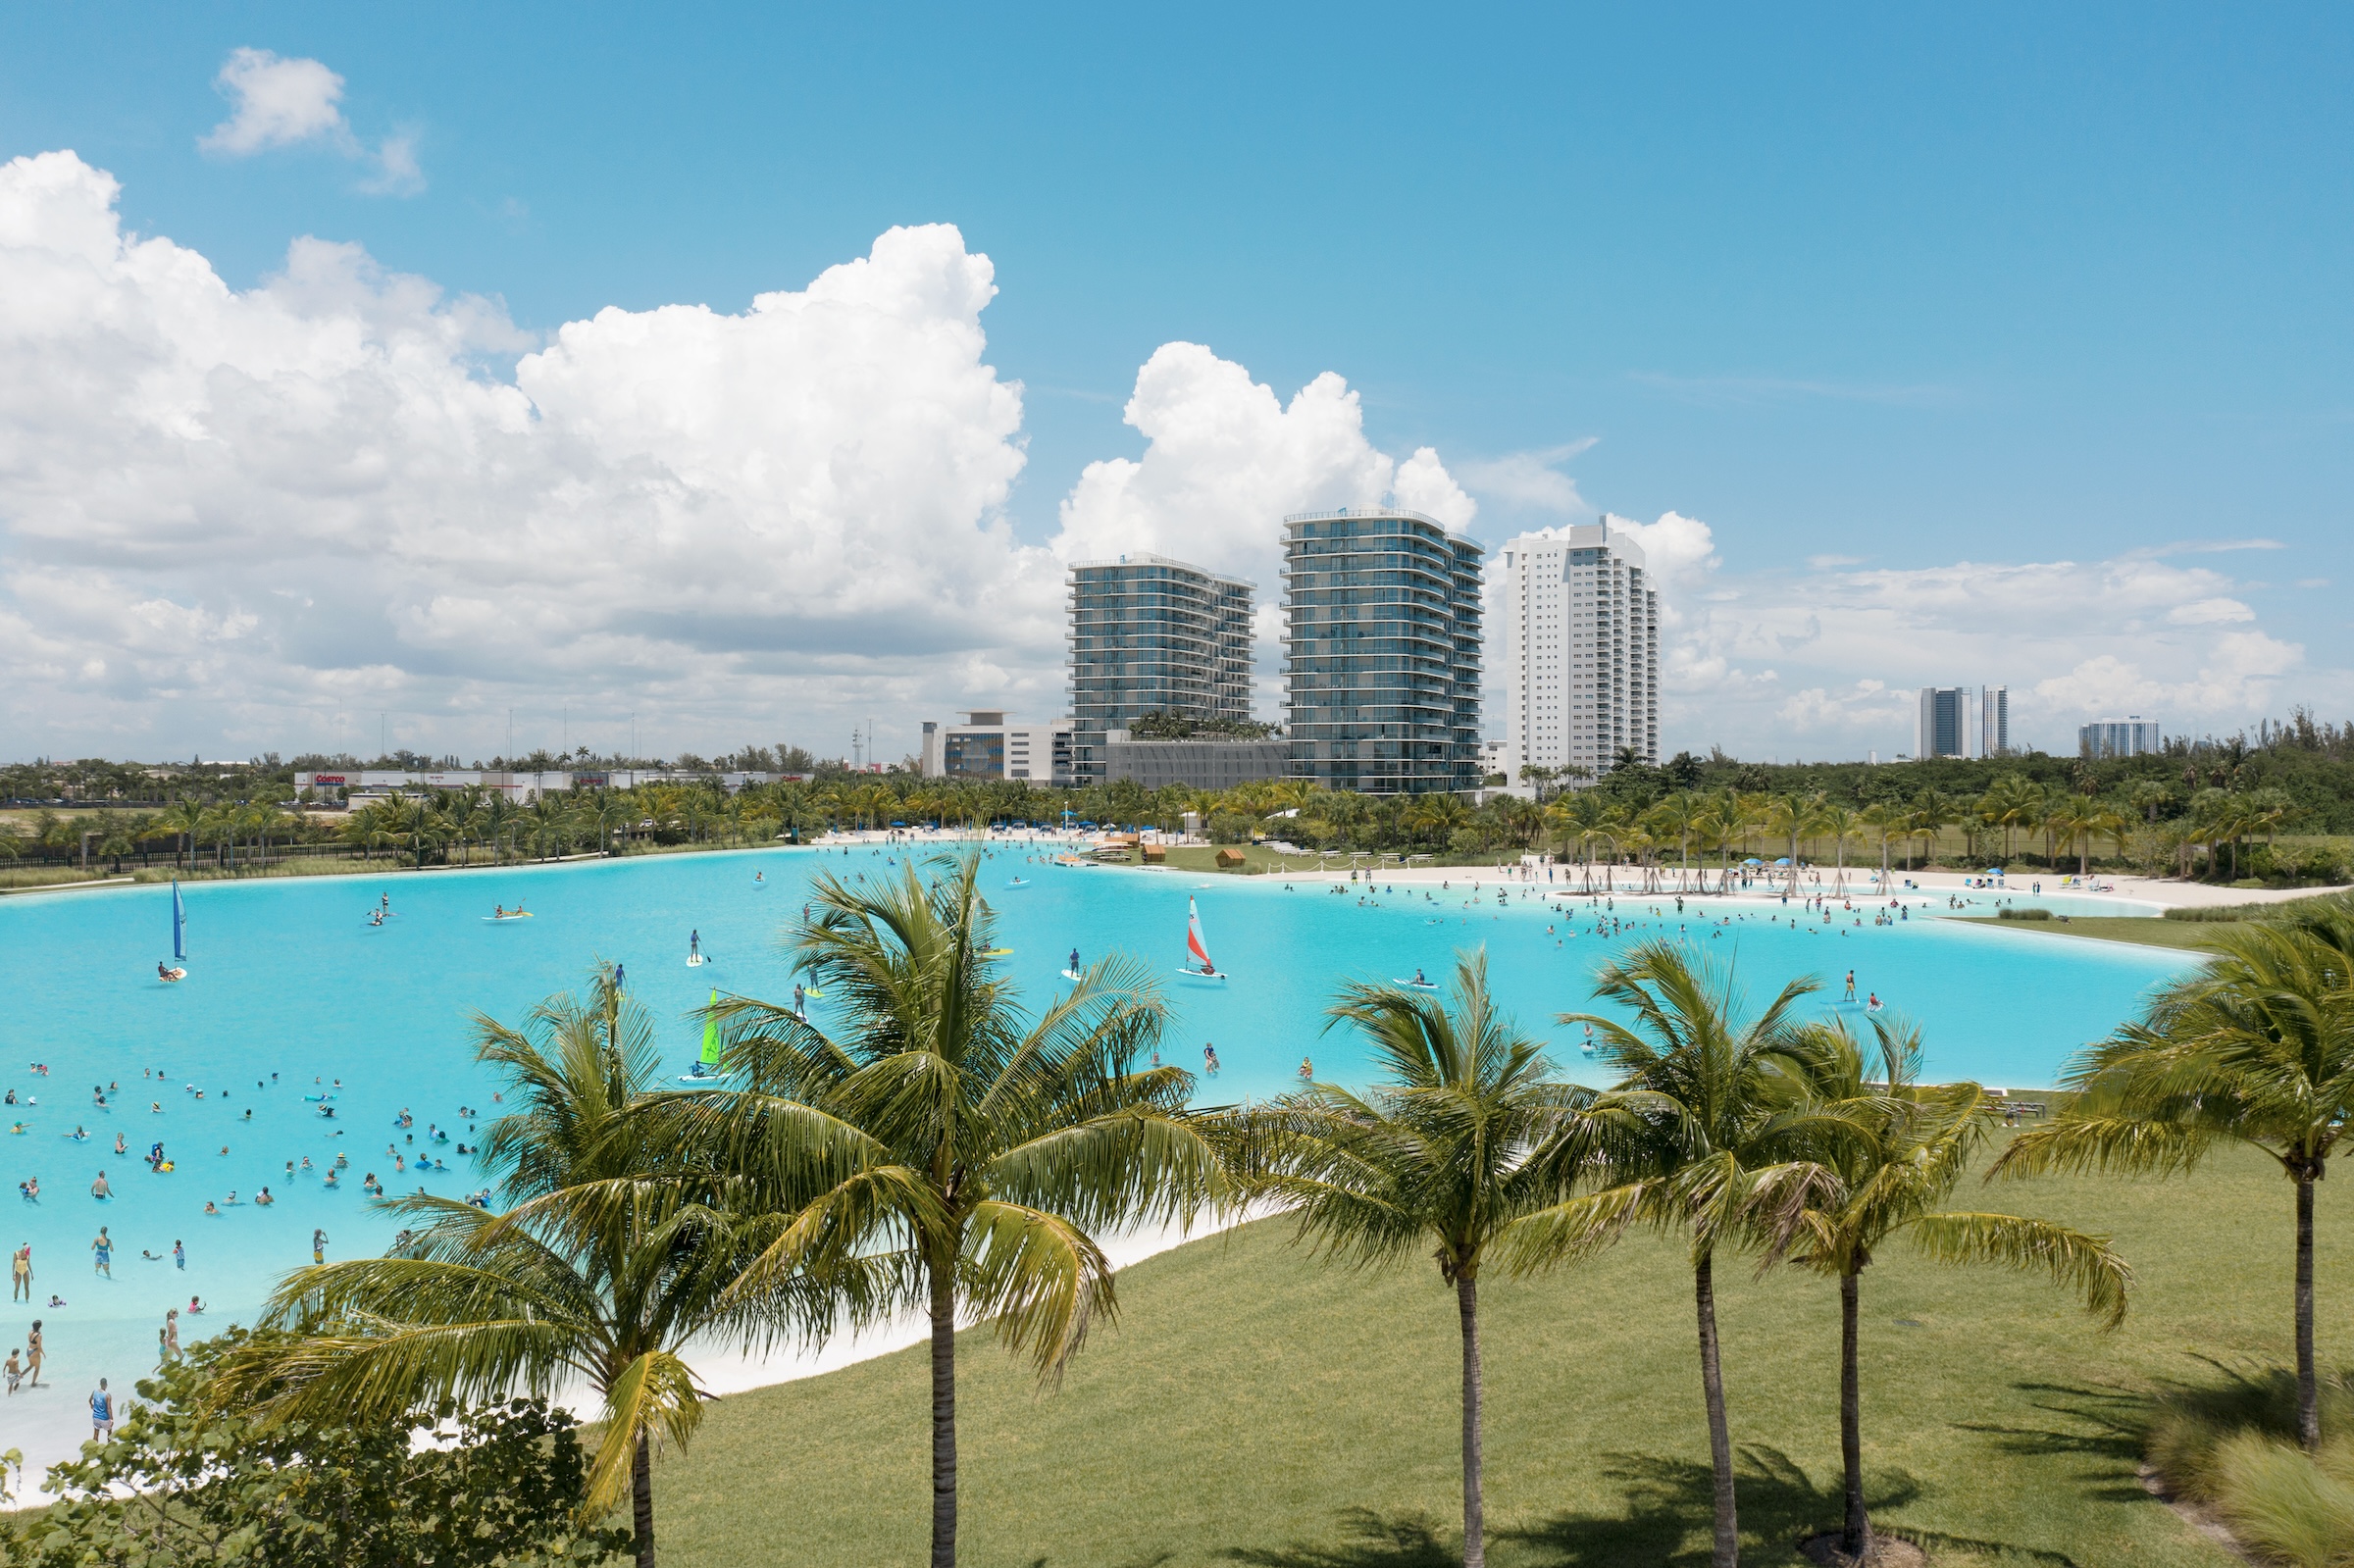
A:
711	1036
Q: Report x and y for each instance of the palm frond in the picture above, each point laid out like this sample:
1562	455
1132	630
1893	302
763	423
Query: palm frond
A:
2078	1262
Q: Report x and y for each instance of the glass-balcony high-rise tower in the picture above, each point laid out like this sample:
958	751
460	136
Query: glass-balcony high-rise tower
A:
1382	645
1150	634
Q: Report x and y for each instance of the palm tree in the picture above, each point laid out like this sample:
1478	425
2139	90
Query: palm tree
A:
598	1275
1679	814
993	1146
1454	1146
1893	1181
184	819
1706	1133
1793	816
1844	824
1887	820
1439	815
2256	1049
2148	796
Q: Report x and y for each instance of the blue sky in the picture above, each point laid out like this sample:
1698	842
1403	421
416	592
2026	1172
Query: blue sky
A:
2006	289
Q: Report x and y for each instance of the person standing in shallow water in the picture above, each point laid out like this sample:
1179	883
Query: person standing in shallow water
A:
20	1270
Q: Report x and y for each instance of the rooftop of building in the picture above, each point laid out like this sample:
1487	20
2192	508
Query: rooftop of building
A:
1147	558
1376	513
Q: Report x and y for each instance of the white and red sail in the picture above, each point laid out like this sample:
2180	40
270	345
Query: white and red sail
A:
1193	937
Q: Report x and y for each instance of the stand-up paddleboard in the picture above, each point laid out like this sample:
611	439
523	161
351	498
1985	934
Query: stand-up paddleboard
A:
1073	976
1194	943
1019	882
696	960
1414	985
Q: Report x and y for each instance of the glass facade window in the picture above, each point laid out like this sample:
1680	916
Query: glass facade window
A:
1149	634
1382	651
974	754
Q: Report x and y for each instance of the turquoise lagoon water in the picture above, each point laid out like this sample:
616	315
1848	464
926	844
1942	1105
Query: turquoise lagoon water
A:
290	989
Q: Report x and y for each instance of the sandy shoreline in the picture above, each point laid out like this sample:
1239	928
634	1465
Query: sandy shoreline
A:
1862	882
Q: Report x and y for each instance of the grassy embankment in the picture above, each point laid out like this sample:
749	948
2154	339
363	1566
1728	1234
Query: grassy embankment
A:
2183	927
1255	1406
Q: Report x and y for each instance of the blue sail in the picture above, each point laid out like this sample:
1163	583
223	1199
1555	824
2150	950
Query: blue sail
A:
180	923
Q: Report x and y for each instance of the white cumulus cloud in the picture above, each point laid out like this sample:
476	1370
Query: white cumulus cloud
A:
2132	633
253	515
1531	480
280	102
1225	459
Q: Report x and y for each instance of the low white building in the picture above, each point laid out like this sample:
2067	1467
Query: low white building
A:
987	746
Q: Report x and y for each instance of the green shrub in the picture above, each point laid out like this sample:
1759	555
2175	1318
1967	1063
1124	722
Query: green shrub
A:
2280	1503
186	1481
2009	913
1226	828
2230	1447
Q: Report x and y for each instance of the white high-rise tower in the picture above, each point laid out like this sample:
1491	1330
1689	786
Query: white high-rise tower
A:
1576	634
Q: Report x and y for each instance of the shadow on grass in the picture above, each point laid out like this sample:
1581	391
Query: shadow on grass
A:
1669	1519
2101	1424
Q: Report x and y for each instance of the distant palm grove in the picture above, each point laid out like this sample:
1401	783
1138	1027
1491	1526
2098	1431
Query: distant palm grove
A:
2275	811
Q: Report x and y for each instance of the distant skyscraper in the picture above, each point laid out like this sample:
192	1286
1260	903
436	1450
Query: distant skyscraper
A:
2129	736
1382	645
1942	729
1150	634
1994	721
1577	643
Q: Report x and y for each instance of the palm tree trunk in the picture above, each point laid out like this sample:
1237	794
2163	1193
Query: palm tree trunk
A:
944	1414
2309	1388
1854	1539
1727	1553
1467	1302
642	1498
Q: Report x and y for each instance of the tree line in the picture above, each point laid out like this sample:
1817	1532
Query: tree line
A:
2221	821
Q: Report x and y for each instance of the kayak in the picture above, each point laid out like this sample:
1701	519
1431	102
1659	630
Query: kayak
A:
1414	984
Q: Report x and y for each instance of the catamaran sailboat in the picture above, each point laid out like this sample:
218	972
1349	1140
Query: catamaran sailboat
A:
1201	968
178	969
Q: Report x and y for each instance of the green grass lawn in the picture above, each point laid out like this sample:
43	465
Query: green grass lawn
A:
2117	929
1255	1406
